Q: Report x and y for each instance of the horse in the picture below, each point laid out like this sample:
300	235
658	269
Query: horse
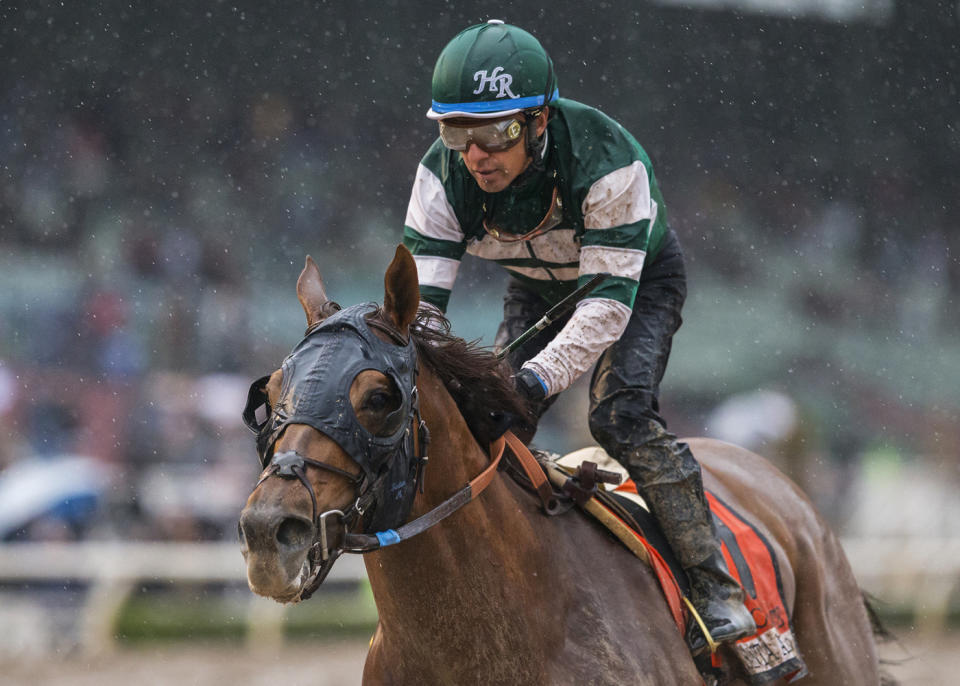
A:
487	589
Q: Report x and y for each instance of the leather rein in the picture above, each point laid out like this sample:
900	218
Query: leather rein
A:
364	543
323	553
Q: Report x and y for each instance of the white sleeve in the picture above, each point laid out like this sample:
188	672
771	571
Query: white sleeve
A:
596	324
429	213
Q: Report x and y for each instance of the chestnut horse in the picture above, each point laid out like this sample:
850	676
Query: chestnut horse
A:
497	592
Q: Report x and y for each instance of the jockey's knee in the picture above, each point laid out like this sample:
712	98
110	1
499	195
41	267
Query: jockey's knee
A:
624	420
642	444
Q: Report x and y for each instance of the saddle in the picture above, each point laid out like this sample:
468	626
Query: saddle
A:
599	485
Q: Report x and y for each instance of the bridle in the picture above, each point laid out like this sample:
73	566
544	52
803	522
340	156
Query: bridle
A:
323	552
392	468
289	465
315	391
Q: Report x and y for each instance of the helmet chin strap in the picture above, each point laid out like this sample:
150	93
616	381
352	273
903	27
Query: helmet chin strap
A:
536	147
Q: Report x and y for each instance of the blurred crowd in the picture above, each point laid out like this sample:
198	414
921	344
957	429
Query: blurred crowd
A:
152	226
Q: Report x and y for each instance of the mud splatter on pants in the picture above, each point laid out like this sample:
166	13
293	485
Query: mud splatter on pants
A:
624	409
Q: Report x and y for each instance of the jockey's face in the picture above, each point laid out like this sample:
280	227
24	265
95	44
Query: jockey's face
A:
494	171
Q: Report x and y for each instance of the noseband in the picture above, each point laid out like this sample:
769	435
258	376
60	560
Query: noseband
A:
322	553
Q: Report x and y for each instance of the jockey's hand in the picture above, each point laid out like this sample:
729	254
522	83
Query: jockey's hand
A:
529	385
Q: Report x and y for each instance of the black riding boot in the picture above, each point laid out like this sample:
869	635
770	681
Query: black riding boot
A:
682	512
718	599
669	479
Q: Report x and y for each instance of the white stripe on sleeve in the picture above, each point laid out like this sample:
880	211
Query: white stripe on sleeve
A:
621	197
436	271
546	273
429	212
595	259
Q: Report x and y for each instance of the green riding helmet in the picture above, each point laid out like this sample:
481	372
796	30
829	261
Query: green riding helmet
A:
492	70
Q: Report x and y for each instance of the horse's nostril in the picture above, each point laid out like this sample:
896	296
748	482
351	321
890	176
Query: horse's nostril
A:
294	532
240	532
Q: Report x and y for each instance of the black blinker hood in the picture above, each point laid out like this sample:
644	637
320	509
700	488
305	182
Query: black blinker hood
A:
317	376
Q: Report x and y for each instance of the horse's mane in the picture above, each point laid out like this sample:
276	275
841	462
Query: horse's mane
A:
480	384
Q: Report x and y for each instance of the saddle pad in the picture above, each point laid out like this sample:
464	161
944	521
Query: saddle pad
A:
771	653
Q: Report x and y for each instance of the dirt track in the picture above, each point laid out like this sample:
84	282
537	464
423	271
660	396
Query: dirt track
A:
936	662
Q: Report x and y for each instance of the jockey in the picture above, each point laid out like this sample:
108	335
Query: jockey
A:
557	192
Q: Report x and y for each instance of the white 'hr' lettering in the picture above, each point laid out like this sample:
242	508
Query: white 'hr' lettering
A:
497	81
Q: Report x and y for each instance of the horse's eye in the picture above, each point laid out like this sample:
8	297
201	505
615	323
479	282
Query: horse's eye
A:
376	401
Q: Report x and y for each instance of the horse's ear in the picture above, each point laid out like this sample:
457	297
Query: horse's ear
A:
312	295
401	291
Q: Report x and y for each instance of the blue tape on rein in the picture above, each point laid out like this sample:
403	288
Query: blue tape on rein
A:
388	537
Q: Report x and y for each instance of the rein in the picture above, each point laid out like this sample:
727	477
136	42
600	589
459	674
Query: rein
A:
322	554
365	543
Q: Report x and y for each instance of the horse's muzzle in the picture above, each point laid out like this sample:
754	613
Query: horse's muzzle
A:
275	545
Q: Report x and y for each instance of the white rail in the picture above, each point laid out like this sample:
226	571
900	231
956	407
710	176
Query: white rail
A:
920	574
113	570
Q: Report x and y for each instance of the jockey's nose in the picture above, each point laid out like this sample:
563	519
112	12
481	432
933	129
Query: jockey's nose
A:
474	152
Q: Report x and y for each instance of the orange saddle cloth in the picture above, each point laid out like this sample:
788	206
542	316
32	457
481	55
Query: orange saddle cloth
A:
772	652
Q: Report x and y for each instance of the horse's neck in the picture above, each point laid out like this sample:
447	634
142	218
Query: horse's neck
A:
455	457
498	544
500	593
455	460
480	584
